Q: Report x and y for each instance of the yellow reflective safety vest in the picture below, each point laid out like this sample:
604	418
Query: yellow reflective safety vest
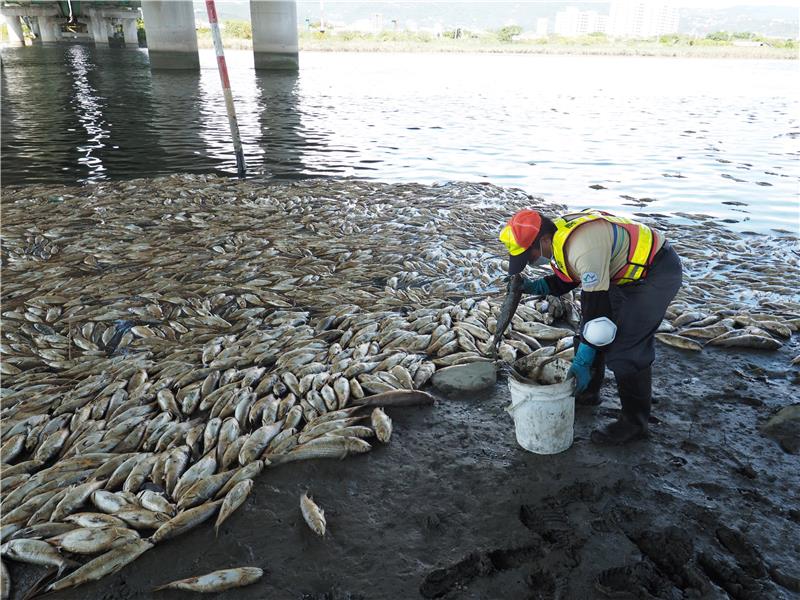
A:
642	249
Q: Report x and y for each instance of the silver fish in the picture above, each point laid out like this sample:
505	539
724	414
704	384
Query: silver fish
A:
233	500
313	515
217	581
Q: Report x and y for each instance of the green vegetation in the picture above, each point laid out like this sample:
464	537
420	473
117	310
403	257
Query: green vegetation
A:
237	29
238	34
141	36
507	34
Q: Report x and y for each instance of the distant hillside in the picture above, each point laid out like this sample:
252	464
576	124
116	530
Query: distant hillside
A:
776	21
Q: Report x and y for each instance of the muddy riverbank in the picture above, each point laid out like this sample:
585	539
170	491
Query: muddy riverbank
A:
452	507
134	299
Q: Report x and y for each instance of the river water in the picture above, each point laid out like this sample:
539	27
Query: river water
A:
667	135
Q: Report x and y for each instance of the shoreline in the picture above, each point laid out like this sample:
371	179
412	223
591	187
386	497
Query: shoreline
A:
516	48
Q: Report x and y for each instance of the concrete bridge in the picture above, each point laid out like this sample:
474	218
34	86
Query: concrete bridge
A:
169	25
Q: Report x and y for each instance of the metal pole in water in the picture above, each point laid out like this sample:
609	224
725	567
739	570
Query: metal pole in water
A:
226	86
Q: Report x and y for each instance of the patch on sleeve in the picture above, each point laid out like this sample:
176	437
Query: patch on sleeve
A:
589	279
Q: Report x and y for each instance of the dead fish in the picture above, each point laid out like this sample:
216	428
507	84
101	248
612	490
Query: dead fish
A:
95	520
250	471
232	501
74	498
109	502
141	518
155	502
257	442
13	447
313	515
203	468
204	489
678	341
705	333
688	317
324	447
396	398
382	425
92	540
184	521
35	552
217	581
105	564
44	530
742	339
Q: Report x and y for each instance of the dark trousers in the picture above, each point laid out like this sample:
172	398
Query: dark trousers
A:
638	310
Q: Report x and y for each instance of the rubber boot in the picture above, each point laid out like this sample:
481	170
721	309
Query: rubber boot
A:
591	395
635	393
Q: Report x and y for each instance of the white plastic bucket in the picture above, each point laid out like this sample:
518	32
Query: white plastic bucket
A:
544	415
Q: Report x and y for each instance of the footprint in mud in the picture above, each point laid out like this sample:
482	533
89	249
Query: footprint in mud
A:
738	584
582	491
548	520
672	551
441	581
624	515
478	564
633	581
745	554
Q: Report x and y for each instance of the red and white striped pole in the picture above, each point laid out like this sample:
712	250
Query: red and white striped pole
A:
226	86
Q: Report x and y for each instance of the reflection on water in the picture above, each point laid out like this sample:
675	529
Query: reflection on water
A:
89	109
672	136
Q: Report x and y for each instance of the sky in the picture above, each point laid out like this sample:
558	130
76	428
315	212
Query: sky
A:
718	4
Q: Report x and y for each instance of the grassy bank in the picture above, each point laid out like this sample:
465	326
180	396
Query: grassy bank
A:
507	40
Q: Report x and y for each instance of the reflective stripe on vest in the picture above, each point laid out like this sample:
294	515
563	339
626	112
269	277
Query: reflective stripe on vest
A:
641	249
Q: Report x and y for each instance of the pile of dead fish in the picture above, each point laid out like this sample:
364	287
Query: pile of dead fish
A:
164	341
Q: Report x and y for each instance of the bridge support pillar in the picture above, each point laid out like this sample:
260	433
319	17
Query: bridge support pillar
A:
33	25
99	28
15	35
130	33
171	37
49	30
274	24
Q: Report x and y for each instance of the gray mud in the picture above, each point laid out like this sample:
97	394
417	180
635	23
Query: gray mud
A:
453	508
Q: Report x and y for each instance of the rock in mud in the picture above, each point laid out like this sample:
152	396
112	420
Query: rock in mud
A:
784	427
465	379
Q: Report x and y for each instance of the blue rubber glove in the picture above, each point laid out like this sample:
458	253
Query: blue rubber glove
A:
537	287
581	367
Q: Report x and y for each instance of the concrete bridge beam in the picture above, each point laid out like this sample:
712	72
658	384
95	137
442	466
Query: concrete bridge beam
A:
274	25
171	37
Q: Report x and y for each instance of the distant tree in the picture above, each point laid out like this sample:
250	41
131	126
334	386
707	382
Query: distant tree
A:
507	33
719	36
238	29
